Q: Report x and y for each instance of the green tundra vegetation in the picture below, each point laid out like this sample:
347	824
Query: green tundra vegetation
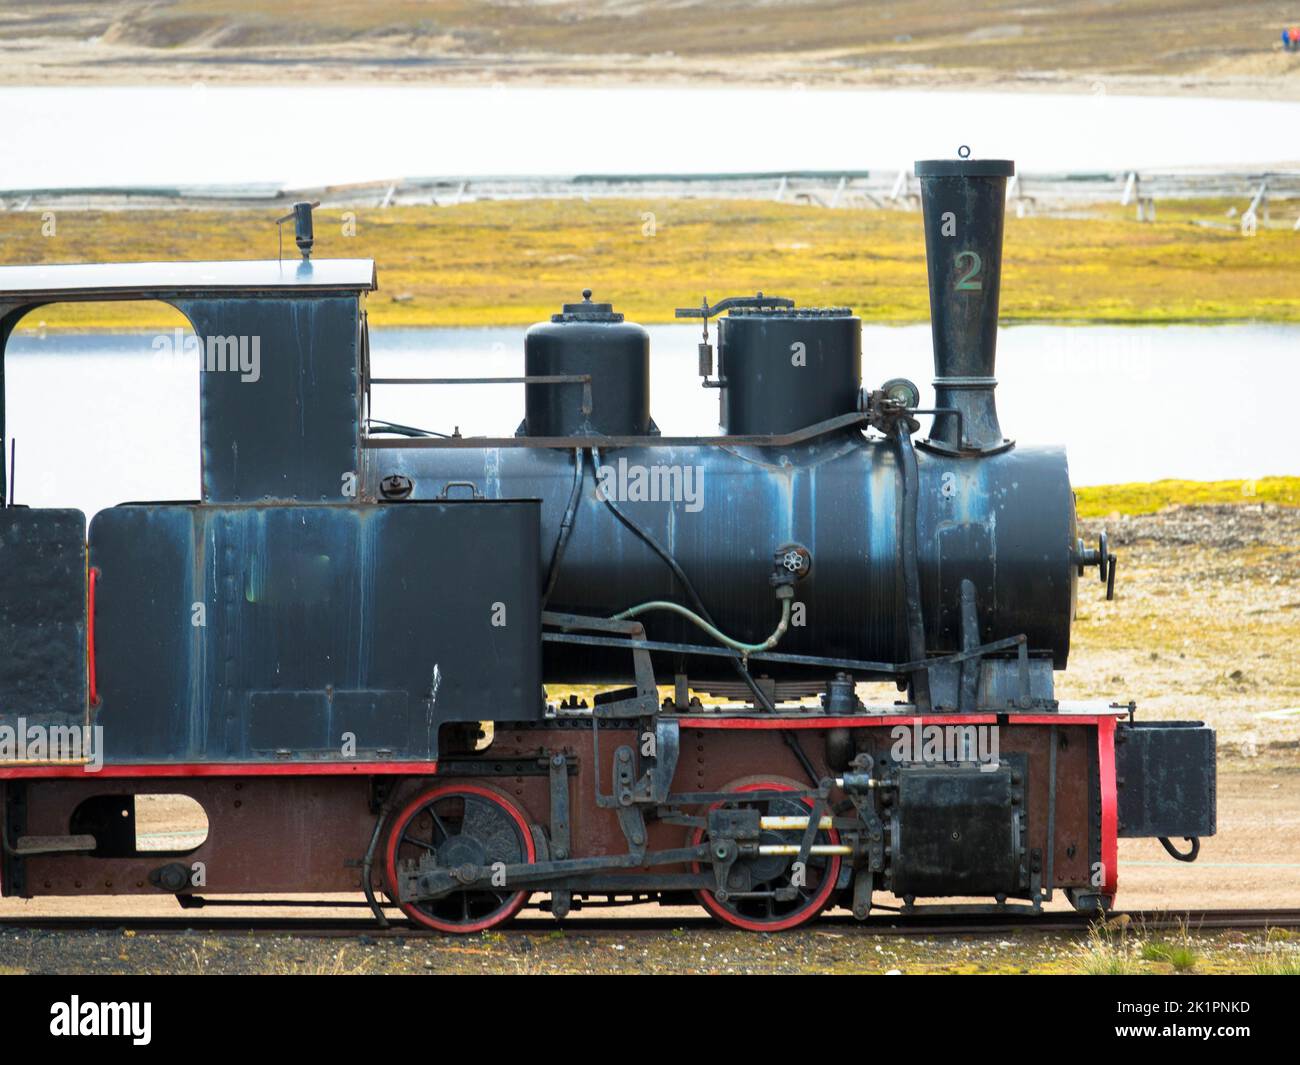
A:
514	262
1104	500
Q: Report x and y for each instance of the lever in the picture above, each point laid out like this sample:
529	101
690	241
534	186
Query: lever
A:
1100	556
705	311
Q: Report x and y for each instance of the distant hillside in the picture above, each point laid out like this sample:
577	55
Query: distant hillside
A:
1188	45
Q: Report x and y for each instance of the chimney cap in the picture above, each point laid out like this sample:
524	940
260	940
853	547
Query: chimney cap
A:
964	168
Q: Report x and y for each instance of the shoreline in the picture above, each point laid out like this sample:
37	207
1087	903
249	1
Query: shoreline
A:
1252	66
303	73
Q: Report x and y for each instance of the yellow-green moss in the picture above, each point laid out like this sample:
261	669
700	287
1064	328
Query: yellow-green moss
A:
1098	502
511	263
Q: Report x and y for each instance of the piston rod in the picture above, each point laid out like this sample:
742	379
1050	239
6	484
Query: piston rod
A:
783	823
793	848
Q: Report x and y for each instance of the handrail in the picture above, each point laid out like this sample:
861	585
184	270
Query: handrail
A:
92	680
583	379
799	436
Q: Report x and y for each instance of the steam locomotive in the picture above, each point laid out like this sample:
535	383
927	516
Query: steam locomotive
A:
341	650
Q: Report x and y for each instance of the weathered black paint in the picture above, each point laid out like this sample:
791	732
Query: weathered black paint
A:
963	203
588	339
259	633
1166	778
785	369
42	616
958	830
1006	521
290	434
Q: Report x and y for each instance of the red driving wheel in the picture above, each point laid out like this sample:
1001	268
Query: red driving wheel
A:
769	872
461	824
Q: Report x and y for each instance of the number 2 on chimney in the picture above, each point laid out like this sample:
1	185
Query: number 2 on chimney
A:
969	281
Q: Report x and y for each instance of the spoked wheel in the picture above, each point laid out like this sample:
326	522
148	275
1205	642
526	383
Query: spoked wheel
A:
461	824
766	873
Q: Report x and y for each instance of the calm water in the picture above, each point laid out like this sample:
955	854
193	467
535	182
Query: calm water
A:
100	419
321	135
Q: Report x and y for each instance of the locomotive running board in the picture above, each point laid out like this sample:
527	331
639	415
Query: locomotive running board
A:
1019	644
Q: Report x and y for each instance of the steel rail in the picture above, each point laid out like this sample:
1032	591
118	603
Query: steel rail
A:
884	923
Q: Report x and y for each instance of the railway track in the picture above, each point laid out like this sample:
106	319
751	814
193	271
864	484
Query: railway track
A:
881	924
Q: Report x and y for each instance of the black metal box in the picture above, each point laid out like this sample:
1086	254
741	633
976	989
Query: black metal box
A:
1165	774
957	830
317	633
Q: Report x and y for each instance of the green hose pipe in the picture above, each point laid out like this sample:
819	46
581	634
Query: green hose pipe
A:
721	637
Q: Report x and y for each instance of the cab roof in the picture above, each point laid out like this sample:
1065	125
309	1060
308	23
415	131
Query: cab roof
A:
94	281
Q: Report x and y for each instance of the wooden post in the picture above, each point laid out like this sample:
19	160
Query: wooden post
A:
1130	189
1250	217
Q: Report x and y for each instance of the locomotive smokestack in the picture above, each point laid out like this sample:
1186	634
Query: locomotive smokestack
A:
963	204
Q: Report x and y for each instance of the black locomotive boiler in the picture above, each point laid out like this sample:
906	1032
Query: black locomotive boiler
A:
341	650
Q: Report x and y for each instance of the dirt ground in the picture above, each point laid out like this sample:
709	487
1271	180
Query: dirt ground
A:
1205	623
840	949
